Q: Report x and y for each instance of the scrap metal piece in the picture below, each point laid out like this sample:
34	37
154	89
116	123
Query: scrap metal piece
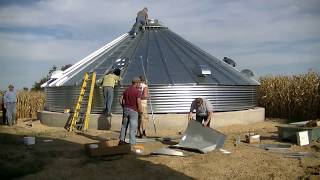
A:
275	146
142	140
167	151
299	155
203	139
225	151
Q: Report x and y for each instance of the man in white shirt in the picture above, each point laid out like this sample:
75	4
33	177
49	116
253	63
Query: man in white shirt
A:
10	101
143	116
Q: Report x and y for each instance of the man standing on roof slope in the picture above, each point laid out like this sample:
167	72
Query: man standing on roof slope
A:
108	82
141	21
131	103
203	111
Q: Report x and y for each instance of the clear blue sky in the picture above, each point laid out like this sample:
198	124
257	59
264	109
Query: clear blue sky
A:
268	37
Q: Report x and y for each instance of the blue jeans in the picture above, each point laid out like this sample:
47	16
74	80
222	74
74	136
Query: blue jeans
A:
108	98
129	117
11	113
202	118
138	24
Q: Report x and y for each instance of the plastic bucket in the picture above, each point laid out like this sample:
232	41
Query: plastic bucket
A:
29	140
93	146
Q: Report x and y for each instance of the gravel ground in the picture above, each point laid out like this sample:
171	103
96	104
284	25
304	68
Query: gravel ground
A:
64	157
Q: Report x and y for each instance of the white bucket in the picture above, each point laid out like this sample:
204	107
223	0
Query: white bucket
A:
93	146
29	140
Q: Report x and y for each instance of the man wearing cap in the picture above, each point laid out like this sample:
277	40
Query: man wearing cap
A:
203	111
131	103
108	82
10	101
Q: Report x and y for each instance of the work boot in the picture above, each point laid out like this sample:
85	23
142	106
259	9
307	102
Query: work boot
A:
139	134
122	142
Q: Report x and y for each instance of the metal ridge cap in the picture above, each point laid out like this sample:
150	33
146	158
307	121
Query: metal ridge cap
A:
85	60
157	26
95	53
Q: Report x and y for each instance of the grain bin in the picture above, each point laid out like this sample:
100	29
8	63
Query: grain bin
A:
177	71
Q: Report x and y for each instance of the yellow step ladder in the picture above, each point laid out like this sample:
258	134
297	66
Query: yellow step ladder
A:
81	119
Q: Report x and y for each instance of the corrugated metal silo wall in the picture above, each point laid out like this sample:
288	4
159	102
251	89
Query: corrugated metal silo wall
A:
164	99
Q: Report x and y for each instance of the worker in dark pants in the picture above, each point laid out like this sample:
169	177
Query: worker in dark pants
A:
4	111
203	111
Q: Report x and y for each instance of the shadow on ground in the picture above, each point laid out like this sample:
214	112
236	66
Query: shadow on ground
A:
60	159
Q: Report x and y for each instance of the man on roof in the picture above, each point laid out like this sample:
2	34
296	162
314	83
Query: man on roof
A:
141	21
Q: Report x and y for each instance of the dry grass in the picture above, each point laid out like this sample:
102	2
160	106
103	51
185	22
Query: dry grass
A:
294	97
29	103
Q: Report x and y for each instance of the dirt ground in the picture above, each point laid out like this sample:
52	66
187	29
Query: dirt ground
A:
64	157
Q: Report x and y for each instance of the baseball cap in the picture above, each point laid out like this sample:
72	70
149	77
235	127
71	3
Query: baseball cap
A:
135	80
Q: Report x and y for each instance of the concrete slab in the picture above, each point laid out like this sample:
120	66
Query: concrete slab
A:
177	122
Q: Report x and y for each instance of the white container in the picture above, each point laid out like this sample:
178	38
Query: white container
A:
29	140
93	146
302	138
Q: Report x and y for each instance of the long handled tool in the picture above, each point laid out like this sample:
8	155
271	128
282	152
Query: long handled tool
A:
150	103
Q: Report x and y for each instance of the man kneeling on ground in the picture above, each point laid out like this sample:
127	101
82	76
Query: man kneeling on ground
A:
203	111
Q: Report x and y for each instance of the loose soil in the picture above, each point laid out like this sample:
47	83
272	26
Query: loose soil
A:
64	157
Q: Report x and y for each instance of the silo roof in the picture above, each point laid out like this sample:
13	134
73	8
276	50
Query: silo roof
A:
159	54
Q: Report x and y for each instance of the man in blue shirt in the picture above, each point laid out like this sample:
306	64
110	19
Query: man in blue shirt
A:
10	101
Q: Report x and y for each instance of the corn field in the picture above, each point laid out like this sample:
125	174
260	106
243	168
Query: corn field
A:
29	103
295	97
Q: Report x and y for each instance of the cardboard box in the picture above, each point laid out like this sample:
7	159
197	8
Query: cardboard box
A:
109	147
138	148
302	138
253	139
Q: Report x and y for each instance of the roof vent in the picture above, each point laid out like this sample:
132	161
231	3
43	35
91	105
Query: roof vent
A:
247	73
154	23
203	70
229	61
120	63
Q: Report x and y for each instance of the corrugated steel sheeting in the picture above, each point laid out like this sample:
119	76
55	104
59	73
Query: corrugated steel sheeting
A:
165	99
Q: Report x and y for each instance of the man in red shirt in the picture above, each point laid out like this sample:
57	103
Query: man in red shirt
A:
131	103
